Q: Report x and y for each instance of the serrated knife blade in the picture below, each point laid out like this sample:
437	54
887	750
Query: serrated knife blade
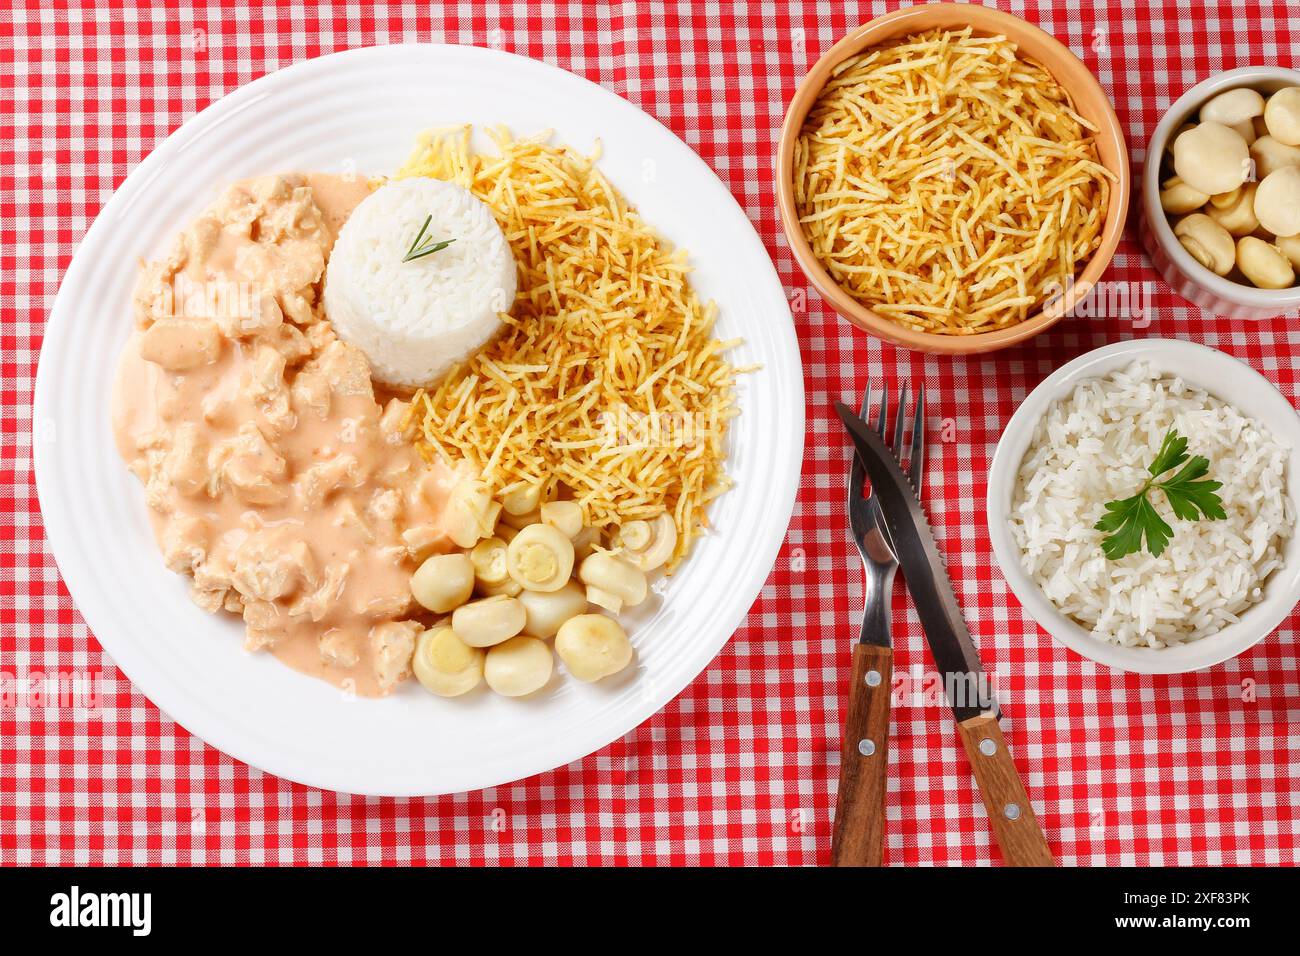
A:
955	654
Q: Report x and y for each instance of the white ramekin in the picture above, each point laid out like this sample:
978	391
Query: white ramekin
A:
1221	375
1185	275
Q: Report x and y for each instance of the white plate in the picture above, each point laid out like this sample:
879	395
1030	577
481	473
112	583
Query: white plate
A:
1222	376
360	111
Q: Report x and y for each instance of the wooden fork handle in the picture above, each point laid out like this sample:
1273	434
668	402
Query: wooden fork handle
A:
864	762
1014	825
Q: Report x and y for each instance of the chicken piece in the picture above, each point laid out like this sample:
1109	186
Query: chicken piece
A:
220	405
347	516
316	604
389	604
278	418
266	374
255	640
322	479
180	344
319	334
423	540
287	271
214	573
338	649
268	567
299	223
210	600
345	368
385	505
298	308
140	468
152	439
391	646
390	423
153	298
252	316
311	393
253	469
289	341
186	464
396	471
157	487
267	387
262	617
185	543
242	203
262	191
434	488
202	238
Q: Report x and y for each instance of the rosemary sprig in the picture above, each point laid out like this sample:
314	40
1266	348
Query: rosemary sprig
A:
420	248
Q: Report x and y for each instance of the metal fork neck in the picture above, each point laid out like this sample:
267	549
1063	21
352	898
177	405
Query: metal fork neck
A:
878	610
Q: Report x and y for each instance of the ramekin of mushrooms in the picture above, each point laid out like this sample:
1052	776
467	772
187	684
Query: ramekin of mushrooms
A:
1221	194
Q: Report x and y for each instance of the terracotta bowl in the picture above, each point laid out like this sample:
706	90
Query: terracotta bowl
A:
1089	100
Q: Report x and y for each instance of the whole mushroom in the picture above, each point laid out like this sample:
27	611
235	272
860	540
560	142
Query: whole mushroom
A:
1233	107
1211	158
1277	201
1235	211
1282	116
1264	264
1178	198
1270	155
1208	243
1289	246
647	544
1246	130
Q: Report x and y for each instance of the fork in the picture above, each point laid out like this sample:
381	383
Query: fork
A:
860	815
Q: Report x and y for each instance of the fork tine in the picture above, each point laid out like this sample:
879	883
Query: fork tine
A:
865	410
900	420
882	420
916	464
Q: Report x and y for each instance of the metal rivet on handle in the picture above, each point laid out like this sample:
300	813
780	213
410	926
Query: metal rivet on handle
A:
866	747
1012	812
988	746
873	678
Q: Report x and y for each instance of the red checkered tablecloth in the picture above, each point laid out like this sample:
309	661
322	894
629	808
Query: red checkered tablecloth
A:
741	768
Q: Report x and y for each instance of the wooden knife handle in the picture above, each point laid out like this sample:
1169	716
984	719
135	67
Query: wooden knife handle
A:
1014	825
864	762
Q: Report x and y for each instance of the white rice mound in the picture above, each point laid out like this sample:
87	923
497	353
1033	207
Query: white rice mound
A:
1095	446
415	320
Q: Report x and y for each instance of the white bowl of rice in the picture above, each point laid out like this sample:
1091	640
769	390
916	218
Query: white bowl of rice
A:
1086	436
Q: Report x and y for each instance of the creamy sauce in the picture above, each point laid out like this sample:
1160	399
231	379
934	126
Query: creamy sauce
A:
273	476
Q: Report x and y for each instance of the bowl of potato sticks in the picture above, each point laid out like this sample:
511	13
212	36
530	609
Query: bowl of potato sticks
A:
952	179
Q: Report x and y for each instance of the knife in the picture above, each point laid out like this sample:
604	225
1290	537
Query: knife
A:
1012	818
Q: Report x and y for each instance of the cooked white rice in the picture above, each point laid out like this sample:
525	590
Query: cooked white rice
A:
416	319
1095	446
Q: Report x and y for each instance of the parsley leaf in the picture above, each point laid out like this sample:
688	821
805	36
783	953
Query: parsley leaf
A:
1130	521
1173	452
1187	496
